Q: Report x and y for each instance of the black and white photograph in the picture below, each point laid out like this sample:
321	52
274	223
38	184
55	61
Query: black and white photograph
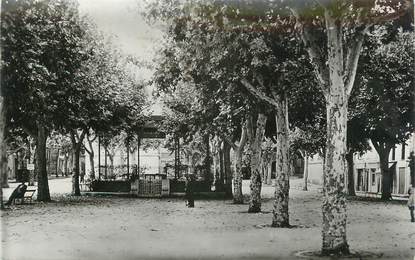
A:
207	129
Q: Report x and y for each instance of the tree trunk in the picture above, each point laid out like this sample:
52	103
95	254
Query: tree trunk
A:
221	165
75	170
207	161
32	159
350	174
76	152
57	164
66	165
42	175
269	170
4	166
111	157
227	169
338	88
265	170
256	183
2	144
216	162
334	200
282	181
92	164
387	180
262	171
305	175
237	178
412	168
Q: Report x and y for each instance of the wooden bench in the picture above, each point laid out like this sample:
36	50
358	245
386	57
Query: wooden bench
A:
27	196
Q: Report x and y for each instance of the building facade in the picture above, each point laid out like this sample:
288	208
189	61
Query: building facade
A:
367	175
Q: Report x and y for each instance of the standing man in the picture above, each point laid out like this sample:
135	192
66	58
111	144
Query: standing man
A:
411	202
189	188
412	168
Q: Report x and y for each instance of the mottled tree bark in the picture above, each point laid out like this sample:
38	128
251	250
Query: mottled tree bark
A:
91	155
350	174
280	215
227	169
57	164
269	170
65	171
256	183
221	165
2	145
216	162
265	170
334	201
237	178
305	171
92	165
42	175
32	159
336	74
76	151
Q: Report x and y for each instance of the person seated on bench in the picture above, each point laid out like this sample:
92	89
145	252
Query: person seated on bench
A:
18	193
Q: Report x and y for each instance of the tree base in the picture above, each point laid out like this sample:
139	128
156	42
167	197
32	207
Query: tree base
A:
254	209
278	224
340	250
44	200
238	200
316	255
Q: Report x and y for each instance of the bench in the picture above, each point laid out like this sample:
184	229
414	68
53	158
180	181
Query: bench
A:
27	196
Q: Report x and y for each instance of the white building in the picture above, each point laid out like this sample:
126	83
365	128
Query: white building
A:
367	177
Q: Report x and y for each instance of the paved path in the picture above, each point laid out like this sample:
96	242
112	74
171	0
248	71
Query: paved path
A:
131	228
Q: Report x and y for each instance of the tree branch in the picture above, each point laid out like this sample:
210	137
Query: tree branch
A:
88	136
73	139
257	93
229	141
244	138
86	149
17	149
352	58
249	127
314	52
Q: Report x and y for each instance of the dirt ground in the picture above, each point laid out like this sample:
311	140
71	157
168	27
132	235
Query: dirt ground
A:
134	228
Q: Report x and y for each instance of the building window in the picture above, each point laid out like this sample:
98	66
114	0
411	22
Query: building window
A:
373	179
393	153
403	152
360	179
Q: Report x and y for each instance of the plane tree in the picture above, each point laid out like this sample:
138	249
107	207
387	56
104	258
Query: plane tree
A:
51	80
333	32
41	49
385	93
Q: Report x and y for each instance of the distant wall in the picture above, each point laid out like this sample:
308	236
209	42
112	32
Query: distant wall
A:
315	170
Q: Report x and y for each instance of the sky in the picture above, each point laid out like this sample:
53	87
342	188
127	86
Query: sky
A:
121	19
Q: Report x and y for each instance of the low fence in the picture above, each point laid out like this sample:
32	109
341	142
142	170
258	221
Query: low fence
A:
148	187
110	186
178	186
